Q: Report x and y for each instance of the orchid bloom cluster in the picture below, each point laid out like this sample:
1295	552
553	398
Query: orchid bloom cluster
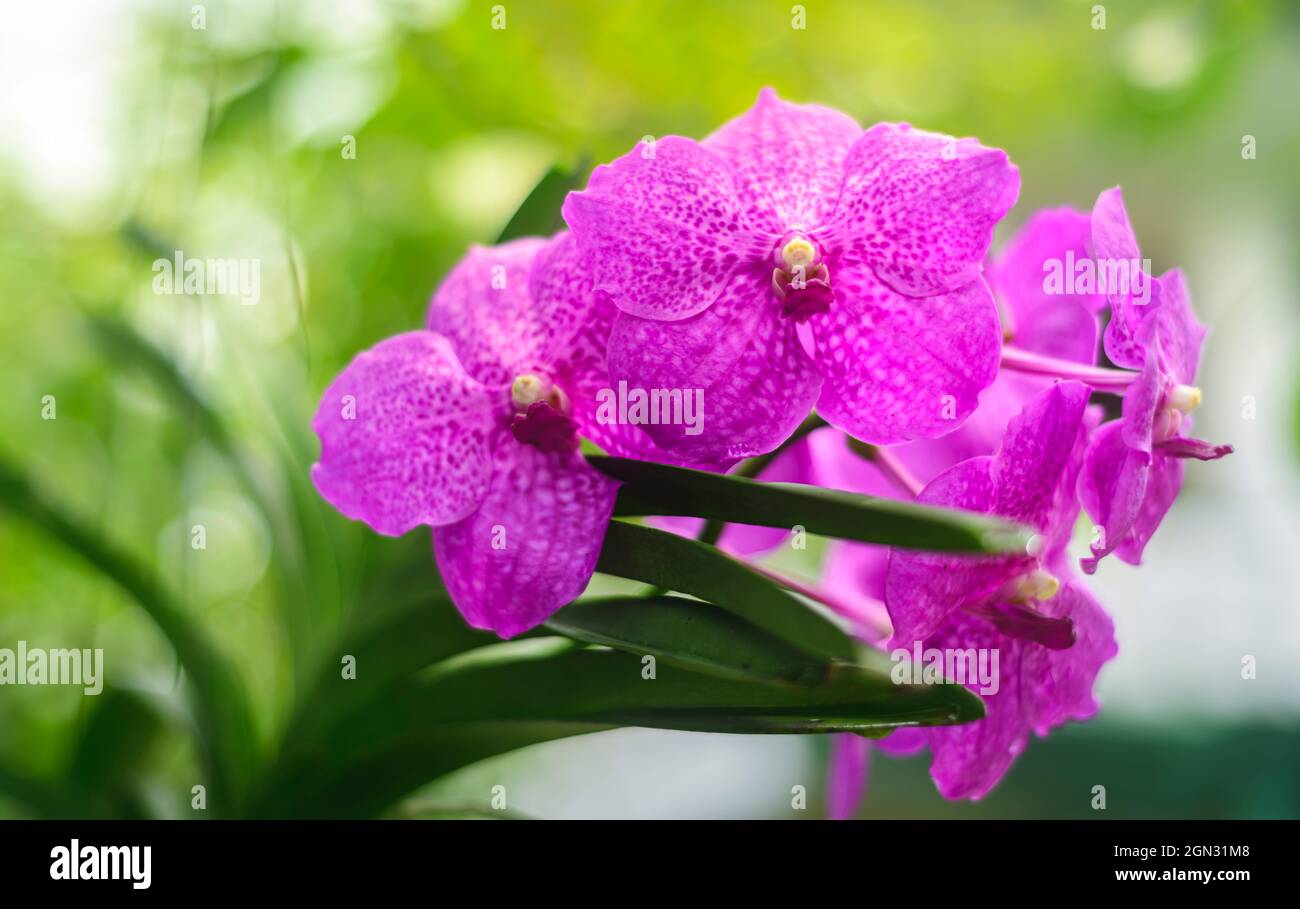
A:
793	262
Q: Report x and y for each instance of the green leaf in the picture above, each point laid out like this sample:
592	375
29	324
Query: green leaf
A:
608	688
220	706
40	797
475	706
687	633
124	345
659	489
689	566
104	768
421	630
539	214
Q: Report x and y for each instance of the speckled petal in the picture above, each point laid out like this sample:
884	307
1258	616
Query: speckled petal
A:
405	436
1164	482
576	349
1035	471
756	380
970	759
1181	335
1031	479
1141	401
533	543
485	309
1058	683
923	588
788	160
899	368
662	229
1112	485
1114	242
1042	317
921	207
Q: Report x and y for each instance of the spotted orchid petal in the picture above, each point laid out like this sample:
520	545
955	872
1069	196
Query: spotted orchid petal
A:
898	368
1030	480
662	229
531	547
406	436
749	369
1116	253
485	309
788	160
921	207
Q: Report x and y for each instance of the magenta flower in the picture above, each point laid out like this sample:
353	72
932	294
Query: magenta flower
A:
716	252
1050	635
1039	688
472	427
1030	480
1133	469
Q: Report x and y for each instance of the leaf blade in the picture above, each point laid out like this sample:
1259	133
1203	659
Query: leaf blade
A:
688	633
221	706
539	214
660	489
689	566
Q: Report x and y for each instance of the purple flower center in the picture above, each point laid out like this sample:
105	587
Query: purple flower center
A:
542	414
801	282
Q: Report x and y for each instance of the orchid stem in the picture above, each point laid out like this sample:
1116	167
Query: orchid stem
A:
888	464
1100	378
863	619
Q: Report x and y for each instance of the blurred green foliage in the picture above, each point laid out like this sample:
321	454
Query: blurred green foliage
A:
231	140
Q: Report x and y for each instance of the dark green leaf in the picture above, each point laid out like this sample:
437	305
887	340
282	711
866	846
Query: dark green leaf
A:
659	489
609	688
689	566
386	649
121	727
486	703
687	633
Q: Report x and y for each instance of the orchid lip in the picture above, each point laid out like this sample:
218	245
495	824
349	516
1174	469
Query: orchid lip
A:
545	428
1019	621
1198	449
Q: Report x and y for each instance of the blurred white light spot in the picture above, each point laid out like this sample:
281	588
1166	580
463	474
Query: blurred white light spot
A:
1162	52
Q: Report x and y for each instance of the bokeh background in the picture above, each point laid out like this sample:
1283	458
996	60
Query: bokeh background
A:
126	133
